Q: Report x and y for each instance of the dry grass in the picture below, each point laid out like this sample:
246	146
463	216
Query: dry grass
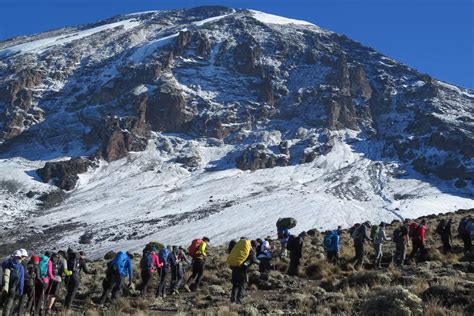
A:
318	269
419	286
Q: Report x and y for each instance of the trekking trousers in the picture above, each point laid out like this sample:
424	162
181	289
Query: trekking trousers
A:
160	291
114	286
417	246
177	275
333	257
378	255
446	244
359	254
198	270
27	300
146	278
466	238
72	288
294	264
39	297
239	280
8	303
400	253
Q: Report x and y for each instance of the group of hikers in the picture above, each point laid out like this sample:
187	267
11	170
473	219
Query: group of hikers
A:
31	284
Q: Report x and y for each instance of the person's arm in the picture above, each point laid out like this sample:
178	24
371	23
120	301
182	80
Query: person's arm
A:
422	233
338	243
156	261
130	271
22	279
366	234
50	270
384	236
85	268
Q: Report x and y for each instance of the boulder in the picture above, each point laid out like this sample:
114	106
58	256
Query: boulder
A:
64	173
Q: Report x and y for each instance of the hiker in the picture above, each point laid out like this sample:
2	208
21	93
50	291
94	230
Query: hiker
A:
444	230
360	235
149	263
117	270
465	229
14	278
264	254
45	267
295	246
332	245
76	262
400	238
417	235
379	238
58	267
32	275
197	251
164	255
242	256
178	262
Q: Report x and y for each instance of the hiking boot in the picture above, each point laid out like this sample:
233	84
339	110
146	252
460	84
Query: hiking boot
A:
186	287
175	292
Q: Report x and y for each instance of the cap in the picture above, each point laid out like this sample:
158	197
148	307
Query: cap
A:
24	253
17	254
35	259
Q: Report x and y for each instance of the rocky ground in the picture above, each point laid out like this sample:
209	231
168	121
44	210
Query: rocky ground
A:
443	285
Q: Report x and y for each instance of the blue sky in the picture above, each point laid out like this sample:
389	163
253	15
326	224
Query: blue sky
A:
433	36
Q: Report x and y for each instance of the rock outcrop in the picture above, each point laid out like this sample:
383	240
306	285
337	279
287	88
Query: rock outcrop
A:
64	174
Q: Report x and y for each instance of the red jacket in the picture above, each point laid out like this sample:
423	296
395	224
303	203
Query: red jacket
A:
421	232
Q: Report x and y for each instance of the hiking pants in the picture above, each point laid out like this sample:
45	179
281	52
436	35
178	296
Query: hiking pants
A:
8	303
378	255
239	280
283	243
72	288
264	265
466	238
162	284
359	254
27	300
177	275
446	244
333	257
146	278
198	270
294	264
400	253
114	285
417	246
39	297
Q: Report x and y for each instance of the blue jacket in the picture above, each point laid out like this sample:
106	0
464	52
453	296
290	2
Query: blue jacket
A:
123	264
283	233
336	245
14	264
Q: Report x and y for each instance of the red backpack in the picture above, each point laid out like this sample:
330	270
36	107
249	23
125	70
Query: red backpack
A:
194	247
413	230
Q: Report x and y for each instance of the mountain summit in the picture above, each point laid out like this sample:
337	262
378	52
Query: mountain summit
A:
213	121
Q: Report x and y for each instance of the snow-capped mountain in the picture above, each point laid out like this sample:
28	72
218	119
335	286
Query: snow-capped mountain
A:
168	125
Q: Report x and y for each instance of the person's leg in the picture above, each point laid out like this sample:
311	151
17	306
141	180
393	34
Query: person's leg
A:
146	276
118	286
359	254
72	288
200	272
107	290
8	304
39	298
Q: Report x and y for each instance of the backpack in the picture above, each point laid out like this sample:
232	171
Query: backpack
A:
286	222
146	264
439	229
374	231
397	235
194	247
357	233
13	279
353	229
330	241
413	230
119	263
73	262
291	244
43	267
462	228
163	255
239	253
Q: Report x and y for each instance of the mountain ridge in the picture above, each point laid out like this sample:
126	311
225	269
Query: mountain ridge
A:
161	100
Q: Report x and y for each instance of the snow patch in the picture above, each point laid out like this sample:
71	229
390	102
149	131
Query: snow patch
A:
275	19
